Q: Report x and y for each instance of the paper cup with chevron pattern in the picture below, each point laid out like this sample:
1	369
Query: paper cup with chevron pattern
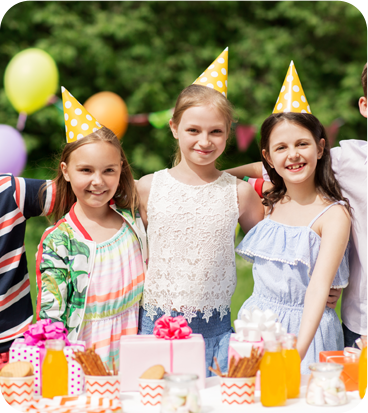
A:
103	386
17	390
151	391
237	390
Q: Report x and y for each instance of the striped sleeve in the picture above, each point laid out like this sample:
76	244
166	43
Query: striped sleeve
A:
27	196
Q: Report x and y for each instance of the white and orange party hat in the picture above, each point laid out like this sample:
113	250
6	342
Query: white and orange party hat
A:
292	97
78	121
215	76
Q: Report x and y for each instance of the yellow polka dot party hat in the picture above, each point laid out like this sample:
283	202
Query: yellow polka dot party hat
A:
292	97
78	121
215	76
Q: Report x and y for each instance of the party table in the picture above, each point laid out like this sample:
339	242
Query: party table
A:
211	402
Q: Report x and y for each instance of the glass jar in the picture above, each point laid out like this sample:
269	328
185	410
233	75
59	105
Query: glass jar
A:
54	370
325	388
362	375
273	375
180	394
292	365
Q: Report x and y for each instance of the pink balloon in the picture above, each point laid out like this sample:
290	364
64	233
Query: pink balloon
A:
13	155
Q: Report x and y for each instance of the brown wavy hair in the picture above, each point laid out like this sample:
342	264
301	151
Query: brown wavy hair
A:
126	195
197	95
324	178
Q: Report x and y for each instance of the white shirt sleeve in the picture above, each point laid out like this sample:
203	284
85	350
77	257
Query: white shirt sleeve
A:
265	174
335	160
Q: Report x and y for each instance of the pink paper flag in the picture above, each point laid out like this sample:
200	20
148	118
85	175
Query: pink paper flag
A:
244	136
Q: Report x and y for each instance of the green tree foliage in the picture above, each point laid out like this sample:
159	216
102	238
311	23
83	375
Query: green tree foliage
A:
147	52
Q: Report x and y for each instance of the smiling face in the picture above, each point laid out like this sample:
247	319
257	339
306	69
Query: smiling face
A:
93	171
293	152
202	134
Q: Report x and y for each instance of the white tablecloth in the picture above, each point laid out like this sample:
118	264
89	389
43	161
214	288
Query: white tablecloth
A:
211	402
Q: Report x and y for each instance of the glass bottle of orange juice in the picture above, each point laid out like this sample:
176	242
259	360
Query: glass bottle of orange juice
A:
362	377
292	365
273	375
54	370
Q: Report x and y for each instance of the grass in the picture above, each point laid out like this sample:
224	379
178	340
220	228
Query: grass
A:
244	287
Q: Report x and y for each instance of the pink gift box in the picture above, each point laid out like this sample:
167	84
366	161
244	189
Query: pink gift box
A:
19	351
139	352
240	349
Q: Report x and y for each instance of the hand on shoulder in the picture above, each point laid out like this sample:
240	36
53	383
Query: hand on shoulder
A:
251	210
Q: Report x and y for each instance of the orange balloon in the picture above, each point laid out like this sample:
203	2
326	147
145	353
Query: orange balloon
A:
110	110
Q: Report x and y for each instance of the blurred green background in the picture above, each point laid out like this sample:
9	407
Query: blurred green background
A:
147	52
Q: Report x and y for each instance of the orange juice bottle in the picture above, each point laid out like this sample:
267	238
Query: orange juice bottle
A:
362	382
54	370
292	365
273	375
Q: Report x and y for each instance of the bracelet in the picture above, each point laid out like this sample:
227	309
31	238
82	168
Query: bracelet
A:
256	183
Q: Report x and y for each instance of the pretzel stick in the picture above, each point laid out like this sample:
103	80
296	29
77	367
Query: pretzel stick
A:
97	361
218	367
215	371
83	365
114	366
93	370
243	367
107	368
94	362
231	366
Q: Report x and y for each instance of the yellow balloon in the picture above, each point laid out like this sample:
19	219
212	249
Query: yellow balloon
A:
30	79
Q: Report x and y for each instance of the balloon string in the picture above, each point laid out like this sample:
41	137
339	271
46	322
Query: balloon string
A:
21	121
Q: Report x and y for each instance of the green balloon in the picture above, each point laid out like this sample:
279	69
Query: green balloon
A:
30	79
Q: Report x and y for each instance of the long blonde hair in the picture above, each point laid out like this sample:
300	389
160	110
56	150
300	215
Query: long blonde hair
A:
197	95
126	195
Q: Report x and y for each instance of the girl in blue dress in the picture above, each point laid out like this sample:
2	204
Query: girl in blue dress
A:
299	251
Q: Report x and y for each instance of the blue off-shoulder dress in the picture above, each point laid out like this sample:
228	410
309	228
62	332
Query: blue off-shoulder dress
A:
283	258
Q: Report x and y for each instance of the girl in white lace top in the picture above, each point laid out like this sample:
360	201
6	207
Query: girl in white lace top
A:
191	212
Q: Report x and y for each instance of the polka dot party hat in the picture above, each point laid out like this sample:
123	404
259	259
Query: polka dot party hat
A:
292	97
215	76
78	121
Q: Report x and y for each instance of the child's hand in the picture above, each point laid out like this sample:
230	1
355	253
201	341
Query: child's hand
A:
333	297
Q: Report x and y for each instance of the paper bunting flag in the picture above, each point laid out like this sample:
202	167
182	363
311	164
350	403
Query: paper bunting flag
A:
292	97
160	119
244	136
215	76
78	121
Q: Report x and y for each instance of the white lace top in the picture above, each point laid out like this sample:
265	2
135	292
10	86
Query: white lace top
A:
191	233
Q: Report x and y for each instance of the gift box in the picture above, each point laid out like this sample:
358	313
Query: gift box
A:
240	349
139	352
17	390
19	351
350	361
73	404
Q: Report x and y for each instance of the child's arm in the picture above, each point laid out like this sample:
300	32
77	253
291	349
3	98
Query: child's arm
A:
251	210
51	277
333	245
27	196
143	187
254	170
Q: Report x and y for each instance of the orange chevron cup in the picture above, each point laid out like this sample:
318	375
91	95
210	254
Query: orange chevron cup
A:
237	390
103	386
151	391
17	390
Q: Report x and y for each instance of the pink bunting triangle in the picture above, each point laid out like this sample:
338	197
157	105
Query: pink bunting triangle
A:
244	136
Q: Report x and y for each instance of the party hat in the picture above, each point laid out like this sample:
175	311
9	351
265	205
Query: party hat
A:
215	76
292	97
78	121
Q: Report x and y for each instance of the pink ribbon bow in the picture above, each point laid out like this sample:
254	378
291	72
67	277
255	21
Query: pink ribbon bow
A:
172	328
44	330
